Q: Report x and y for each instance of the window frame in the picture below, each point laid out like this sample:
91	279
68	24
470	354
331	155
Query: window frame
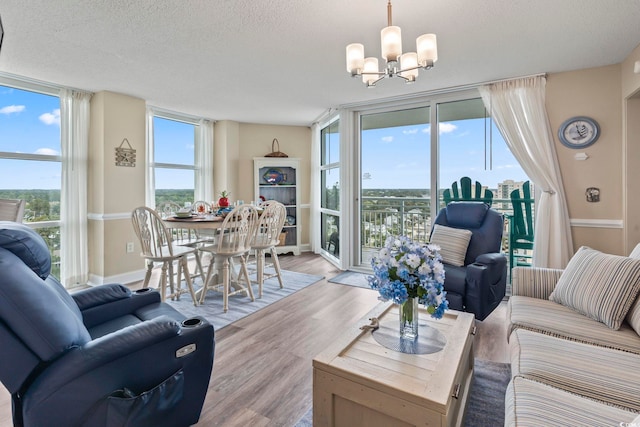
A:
181	118
324	168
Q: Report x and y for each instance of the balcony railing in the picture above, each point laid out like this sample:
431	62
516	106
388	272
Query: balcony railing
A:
408	216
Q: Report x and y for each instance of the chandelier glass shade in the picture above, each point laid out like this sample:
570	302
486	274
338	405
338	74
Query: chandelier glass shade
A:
405	65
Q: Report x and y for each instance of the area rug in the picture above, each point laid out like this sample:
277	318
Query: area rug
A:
485	407
241	305
351	278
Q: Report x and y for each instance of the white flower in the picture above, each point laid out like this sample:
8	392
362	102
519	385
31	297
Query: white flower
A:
424	269
413	260
393	262
438	268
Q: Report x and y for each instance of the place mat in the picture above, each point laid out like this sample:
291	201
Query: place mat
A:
430	340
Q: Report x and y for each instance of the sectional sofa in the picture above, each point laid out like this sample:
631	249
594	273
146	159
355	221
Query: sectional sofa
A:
574	343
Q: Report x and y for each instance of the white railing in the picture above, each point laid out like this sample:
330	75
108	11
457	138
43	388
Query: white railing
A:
409	216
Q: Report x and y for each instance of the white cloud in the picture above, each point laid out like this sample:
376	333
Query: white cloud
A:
47	151
507	166
446	127
410	131
442	127
12	109
52	118
387	139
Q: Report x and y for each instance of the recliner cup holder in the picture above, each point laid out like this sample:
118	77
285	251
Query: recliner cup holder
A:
192	322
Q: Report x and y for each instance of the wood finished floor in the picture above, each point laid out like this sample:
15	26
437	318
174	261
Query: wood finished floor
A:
262	373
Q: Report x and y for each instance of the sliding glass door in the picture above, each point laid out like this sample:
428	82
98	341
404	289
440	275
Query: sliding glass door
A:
397	160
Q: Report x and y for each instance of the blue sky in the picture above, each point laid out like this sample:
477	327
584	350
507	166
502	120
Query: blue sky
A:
174	143
29	123
397	157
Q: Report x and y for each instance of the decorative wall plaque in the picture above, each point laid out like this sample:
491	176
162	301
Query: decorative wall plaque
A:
125	156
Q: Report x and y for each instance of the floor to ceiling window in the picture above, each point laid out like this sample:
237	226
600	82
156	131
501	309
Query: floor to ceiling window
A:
30	160
330	188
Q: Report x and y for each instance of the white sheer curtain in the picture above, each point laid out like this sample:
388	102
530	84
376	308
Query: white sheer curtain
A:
150	178
74	135
204	161
314	221
518	108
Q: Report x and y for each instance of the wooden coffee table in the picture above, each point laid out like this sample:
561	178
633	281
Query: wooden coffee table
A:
358	382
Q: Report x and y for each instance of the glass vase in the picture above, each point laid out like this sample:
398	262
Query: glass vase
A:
409	319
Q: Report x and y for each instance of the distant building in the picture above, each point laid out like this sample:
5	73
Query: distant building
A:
504	191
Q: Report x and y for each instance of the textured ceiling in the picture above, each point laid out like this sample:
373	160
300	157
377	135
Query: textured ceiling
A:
282	61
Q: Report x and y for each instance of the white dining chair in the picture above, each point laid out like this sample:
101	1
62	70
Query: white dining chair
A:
203	235
181	236
233	240
11	210
266	239
157	246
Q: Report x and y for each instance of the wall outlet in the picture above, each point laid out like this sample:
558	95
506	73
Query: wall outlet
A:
129	247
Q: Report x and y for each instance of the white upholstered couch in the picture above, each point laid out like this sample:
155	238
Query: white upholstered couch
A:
571	364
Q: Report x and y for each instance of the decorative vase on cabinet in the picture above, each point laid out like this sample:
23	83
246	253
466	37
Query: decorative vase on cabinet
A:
276	178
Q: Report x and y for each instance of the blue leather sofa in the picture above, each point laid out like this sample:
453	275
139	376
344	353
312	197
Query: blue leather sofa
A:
103	356
479	285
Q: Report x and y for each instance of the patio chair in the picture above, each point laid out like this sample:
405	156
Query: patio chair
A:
521	228
465	192
11	210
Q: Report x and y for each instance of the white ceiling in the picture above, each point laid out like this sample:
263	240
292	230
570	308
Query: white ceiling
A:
282	61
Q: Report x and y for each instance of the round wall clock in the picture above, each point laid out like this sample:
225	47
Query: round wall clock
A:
579	132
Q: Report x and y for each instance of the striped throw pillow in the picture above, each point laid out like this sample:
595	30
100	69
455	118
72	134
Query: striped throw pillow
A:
453	243
633	317
600	286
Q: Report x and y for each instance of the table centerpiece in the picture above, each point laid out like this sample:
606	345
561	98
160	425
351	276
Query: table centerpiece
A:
409	273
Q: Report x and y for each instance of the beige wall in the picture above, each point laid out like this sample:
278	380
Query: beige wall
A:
594	93
255	140
114	191
631	142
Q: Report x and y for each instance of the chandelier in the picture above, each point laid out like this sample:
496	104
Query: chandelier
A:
401	65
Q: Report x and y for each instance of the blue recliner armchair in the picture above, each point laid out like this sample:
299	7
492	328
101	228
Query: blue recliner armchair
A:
104	356
479	285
